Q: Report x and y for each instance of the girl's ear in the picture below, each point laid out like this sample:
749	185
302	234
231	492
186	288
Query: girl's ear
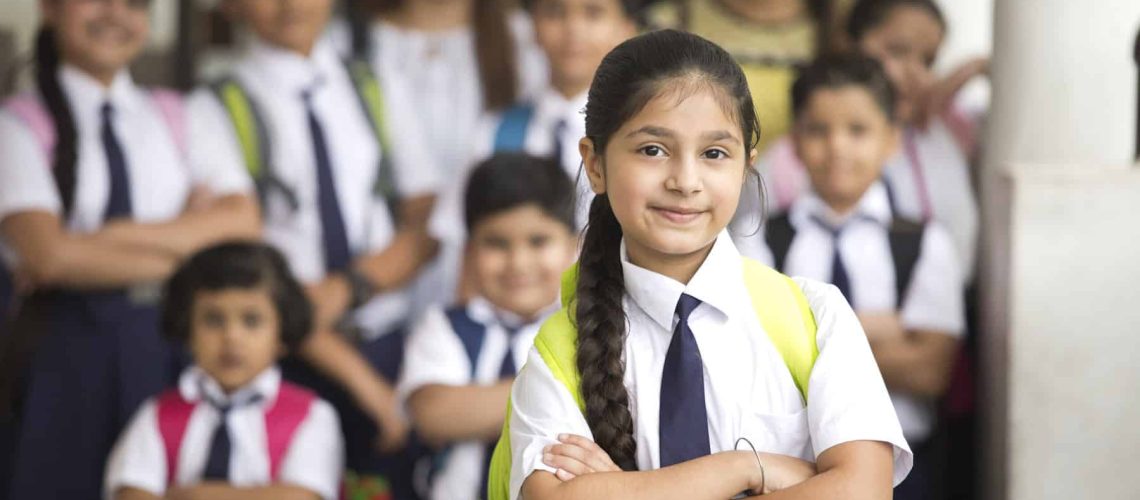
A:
592	163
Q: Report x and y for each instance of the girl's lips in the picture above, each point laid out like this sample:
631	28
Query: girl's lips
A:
678	215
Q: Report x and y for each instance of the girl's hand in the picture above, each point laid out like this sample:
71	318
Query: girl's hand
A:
882	326
393	427
330	300
781	472
937	98
577	456
200	199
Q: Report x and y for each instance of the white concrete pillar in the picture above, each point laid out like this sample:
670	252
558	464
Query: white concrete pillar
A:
1060	268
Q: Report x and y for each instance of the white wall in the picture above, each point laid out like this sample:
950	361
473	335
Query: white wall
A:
1060	276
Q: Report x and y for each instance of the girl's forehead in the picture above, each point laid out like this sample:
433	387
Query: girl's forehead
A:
691	107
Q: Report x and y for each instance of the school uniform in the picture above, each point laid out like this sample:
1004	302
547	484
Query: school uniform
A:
102	354
322	208
932	300
441	76
476	344
312	458
549	126
747	387
928	179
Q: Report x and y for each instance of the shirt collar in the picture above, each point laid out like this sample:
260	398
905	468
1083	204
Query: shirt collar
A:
554	106
87	95
482	311
288	71
195	385
718	282
875	205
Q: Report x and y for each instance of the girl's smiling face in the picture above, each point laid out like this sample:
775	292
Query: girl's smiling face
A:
100	37
673	173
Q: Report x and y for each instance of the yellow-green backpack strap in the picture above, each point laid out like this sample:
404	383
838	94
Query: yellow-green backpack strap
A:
557	344
371	97
786	317
246	123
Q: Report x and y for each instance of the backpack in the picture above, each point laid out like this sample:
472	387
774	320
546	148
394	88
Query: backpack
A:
905	238
253	134
289	410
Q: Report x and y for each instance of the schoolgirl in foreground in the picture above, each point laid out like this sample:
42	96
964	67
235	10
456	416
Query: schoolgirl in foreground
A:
671	346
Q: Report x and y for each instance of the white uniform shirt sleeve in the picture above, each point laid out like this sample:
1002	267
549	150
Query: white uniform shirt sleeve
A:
215	159
26	181
433	354
847	398
541	409
414	164
138	459
316	456
935	299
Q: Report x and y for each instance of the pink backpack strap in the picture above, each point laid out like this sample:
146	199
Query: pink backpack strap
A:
29	109
173	417
282	420
786	174
173	110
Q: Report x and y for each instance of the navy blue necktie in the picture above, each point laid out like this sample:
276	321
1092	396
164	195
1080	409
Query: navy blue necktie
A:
334	236
839	276
684	423
218	460
119	198
556	151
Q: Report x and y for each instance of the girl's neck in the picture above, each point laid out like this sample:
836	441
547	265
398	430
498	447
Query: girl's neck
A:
766	11
103	76
842	210
438	15
681	268
566	88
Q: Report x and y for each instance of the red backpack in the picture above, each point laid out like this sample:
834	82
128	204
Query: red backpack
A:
281	422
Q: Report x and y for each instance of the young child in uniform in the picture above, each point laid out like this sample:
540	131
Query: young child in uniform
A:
671	347
461	360
104	188
574	35
231	428
346	187
902	277
928	177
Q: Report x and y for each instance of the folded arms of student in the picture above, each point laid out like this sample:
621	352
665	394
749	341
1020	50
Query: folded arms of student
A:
50	255
914	361
435	410
860	470
205	221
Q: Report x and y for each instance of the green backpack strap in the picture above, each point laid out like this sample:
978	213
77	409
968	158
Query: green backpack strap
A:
247	124
371	97
786	317
779	302
253	138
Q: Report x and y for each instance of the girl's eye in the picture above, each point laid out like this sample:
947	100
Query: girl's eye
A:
213	319
652	151
715	154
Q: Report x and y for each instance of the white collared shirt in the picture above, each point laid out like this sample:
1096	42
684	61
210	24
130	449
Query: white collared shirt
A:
447	221
749	391
314	460
434	354
944	169
441	72
276	79
161	175
935	297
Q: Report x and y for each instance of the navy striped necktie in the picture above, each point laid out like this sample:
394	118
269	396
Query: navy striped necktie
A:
218	459
684	423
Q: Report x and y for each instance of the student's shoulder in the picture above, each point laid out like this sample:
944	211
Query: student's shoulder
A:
937	246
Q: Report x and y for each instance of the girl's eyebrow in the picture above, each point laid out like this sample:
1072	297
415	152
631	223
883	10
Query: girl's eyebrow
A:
656	131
